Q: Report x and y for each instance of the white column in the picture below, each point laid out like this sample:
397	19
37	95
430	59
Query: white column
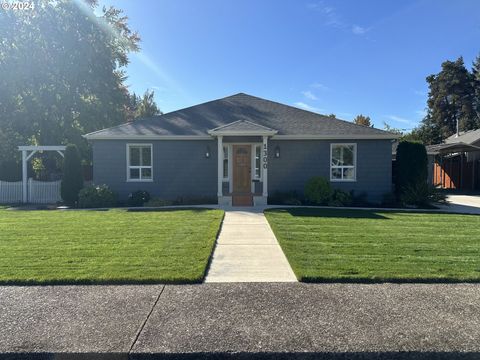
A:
24	176
265	166
220	166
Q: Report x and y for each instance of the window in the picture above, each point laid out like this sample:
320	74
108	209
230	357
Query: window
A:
258	161
139	162
343	158
225	162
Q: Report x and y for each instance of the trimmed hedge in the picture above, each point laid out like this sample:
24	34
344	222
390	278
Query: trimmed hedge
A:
411	166
72	179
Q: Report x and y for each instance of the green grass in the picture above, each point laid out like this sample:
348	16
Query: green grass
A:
116	246
324	245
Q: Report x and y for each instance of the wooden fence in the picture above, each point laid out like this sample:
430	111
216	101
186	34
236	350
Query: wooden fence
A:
39	192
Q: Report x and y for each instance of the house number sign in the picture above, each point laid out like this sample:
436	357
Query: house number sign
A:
265	156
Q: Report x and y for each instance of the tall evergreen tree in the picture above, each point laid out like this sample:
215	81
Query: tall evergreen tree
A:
450	100
476	85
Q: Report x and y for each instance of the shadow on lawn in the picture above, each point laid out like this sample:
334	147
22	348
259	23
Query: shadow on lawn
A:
332	213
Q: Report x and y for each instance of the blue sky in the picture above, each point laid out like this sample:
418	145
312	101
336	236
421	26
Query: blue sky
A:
341	57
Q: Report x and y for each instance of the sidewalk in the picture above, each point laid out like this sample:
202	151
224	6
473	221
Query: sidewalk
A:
241	321
248	251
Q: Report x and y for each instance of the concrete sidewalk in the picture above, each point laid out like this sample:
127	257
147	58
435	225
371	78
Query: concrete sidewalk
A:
244	321
248	251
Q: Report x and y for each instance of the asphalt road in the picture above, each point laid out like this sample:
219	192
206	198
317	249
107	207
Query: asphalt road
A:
245	321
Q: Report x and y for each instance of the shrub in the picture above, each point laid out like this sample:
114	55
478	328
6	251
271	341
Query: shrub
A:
421	195
155	202
389	200
138	198
72	179
360	199
340	198
97	197
411	166
318	191
285	198
195	200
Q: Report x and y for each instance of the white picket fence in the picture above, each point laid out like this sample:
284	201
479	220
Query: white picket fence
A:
39	192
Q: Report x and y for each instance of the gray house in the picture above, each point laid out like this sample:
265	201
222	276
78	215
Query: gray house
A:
240	149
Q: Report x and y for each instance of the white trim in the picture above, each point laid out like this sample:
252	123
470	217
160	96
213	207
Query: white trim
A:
262	130
336	137
208	137
42	148
264	163
140	167
354	162
147	137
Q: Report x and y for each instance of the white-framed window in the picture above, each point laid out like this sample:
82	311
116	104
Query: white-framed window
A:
257	162
139	162
343	162
225	163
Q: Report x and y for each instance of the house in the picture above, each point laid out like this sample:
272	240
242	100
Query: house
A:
456	162
238	150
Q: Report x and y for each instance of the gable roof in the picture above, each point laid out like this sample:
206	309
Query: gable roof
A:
242	127
196	122
467	137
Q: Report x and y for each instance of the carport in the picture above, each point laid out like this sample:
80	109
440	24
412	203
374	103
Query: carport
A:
452	167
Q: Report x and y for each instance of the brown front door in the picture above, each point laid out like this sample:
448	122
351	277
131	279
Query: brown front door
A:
242	193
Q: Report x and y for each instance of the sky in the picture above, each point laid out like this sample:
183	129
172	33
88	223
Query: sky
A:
342	57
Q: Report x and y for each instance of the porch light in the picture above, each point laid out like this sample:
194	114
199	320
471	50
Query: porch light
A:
207	153
277	152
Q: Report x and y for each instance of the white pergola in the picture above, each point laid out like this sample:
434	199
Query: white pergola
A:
27	152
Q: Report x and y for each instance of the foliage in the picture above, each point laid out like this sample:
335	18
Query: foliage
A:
411	165
195	200
10	170
138	198
362	120
422	194
452	98
97	197
142	107
62	73
114	246
365	245
156	202
318	191
340	198
285	198
389	200
72	179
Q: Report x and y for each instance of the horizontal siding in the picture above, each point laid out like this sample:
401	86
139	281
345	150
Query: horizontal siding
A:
302	159
180	168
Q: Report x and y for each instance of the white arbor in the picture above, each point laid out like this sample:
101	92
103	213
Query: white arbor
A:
27	153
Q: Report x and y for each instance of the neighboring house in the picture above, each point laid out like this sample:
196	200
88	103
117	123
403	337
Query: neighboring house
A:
455	162
238	150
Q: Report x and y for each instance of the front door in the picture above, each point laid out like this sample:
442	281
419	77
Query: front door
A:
242	168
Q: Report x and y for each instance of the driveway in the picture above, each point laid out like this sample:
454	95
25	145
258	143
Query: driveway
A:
275	321
469	204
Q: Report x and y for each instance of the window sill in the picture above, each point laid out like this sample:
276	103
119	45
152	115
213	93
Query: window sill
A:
343	180
139	180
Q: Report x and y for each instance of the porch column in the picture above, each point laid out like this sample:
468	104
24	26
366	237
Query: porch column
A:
220	166
265	165
24	176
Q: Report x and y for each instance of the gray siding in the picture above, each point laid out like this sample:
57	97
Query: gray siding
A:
302	159
180	168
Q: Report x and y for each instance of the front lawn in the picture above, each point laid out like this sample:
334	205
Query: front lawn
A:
359	245
115	246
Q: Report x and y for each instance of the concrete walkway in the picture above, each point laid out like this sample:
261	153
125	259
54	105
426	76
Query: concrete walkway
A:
248	251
